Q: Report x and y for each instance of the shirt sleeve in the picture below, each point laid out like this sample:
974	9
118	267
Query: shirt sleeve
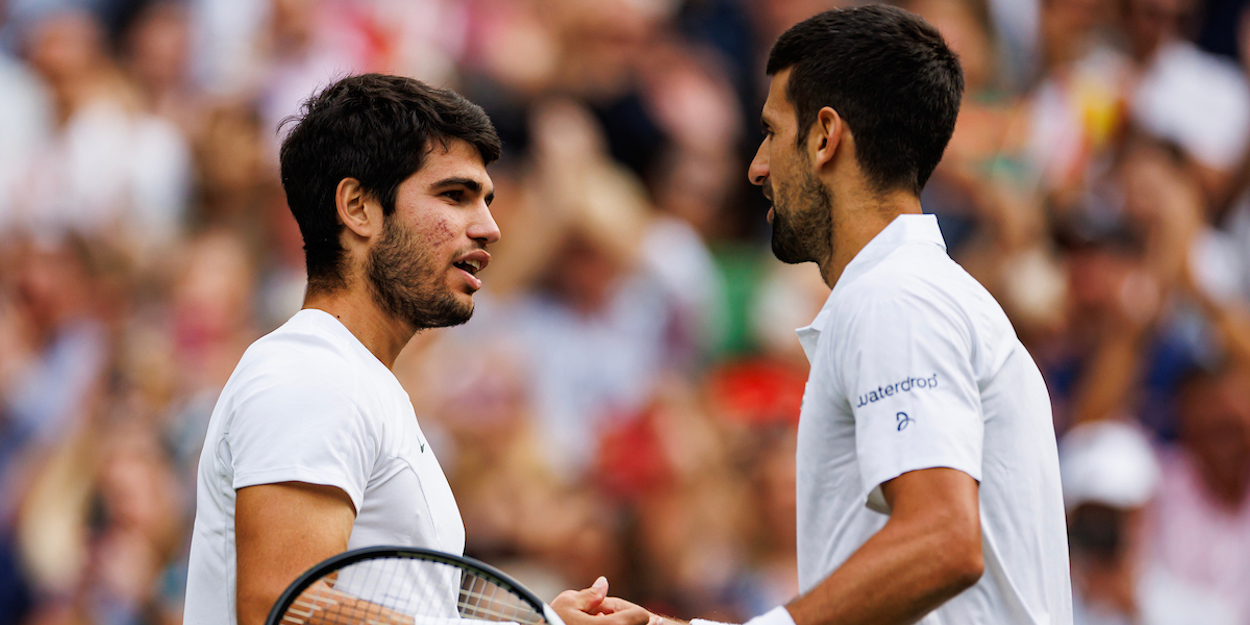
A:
906	367
301	433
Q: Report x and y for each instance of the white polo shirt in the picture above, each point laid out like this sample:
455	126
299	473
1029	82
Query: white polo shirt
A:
310	403
915	366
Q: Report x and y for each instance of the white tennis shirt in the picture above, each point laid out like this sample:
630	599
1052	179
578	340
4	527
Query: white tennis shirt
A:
310	403
915	366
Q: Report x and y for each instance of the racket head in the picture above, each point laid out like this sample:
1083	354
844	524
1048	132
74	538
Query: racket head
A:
388	585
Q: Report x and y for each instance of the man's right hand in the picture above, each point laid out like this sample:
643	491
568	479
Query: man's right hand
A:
593	606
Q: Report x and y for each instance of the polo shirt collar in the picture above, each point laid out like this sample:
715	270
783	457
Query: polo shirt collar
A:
906	228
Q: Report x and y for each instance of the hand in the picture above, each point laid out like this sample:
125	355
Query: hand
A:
593	606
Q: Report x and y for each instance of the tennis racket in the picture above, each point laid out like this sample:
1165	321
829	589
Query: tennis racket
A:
406	586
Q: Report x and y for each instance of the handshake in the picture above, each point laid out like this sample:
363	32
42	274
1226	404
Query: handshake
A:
593	606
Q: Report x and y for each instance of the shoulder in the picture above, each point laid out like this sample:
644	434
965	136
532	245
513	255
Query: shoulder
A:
297	358
922	294
919	280
305	347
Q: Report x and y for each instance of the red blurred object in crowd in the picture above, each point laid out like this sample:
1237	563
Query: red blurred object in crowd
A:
759	392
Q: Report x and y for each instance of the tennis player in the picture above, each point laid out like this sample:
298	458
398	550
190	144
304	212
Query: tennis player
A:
928	478
313	447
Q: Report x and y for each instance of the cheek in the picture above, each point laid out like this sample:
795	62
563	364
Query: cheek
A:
780	164
443	232
434	231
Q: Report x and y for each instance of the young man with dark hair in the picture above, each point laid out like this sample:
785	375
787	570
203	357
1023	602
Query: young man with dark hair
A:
313	447
928	480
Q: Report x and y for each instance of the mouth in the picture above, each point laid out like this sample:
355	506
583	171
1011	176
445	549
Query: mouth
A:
470	264
470	267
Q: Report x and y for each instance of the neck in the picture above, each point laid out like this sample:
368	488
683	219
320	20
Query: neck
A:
382	334
864	214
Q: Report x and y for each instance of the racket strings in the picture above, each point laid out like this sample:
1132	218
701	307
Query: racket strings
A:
407	591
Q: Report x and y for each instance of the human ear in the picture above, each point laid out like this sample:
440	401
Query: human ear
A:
826	133
355	208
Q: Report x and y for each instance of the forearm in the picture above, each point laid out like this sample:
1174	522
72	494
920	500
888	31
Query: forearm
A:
322	605
898	576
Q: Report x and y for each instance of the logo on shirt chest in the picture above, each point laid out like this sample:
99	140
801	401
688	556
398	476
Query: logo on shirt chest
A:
906	386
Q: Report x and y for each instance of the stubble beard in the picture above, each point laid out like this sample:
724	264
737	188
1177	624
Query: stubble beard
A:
802	222
405	282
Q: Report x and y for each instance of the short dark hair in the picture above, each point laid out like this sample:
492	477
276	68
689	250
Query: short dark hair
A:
891	78
377	129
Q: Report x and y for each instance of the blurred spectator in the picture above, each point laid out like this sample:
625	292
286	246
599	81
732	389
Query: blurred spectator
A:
306	45
108	165
1202	512
1184	95
56	348
597	327
156	57
1109	476
1076	106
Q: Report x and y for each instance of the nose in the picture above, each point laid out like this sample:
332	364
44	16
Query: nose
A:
757	173
484	228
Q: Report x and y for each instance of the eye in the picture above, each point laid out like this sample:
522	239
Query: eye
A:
454	195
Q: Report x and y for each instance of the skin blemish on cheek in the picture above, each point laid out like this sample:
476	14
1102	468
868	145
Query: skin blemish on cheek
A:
439	233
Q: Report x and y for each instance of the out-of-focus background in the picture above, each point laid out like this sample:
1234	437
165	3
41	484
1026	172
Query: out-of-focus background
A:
624	400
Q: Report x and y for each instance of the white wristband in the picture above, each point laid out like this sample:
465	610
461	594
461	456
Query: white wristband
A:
776	616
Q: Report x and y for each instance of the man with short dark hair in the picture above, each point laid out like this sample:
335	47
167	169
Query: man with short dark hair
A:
928	481
313	447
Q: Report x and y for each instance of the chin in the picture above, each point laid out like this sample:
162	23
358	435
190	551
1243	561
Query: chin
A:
786	251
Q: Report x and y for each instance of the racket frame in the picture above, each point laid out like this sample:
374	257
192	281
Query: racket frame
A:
347	558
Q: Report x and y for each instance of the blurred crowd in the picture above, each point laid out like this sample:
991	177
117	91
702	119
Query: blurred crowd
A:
624	400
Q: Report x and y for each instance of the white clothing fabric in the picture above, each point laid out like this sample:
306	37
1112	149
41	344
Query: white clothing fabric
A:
310	403
915	366
1198	100
1162	599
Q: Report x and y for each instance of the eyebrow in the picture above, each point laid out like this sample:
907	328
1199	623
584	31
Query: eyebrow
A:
468	183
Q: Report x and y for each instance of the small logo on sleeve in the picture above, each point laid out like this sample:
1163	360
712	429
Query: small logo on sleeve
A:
889	390
903	420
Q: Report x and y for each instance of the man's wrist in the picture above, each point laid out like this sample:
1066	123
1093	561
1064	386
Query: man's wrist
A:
776	616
